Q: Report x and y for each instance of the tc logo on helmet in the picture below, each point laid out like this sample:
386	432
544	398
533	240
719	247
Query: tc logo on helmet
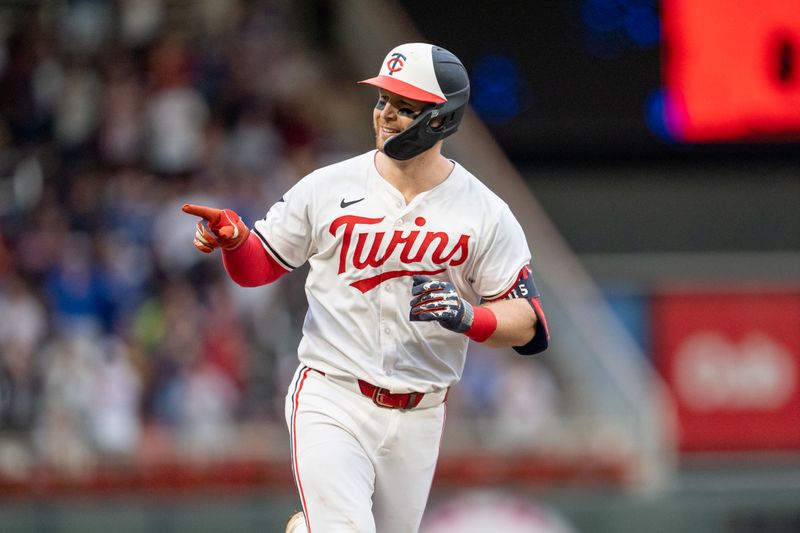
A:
396	63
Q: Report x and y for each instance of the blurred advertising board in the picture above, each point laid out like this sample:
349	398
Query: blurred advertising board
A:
732	362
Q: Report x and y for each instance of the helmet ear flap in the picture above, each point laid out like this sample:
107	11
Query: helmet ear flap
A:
450	114
444	121
436	122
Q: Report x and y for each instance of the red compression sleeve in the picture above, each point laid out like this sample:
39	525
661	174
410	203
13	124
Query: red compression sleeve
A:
250	265
483	324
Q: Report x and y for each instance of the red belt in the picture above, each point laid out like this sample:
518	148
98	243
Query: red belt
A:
384	398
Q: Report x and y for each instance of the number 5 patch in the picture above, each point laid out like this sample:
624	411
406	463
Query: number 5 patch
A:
525	288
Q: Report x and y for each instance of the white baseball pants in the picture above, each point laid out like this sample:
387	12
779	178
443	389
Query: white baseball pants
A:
359	468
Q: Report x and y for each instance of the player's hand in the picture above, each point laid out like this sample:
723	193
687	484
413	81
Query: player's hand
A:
204	240
227	230
439	301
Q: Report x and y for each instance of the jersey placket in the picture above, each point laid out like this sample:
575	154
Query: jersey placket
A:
391	295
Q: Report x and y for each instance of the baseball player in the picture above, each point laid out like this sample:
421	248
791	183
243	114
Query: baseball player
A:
410	256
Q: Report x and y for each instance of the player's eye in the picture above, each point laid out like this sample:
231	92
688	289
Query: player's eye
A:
407	112
384	99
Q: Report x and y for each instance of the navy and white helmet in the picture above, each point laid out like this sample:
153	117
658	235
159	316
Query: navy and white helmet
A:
426	73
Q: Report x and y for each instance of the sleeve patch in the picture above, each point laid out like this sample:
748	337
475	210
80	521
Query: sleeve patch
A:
525	288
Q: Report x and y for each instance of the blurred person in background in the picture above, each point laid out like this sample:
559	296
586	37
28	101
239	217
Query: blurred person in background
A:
76	288
121	129
63	434
22	330
114	421
527	399
175	112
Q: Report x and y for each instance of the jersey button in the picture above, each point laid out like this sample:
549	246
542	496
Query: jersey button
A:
399	222
387	330
388	371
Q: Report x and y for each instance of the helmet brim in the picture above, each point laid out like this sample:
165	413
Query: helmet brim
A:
404	89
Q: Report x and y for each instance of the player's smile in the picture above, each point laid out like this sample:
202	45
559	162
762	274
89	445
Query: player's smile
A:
385	132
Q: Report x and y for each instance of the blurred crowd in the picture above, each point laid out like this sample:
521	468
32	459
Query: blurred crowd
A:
118	337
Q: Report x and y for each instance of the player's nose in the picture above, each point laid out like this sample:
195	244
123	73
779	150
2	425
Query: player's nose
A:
388	112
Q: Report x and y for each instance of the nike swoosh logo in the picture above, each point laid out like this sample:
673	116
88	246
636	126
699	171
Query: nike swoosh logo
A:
346	204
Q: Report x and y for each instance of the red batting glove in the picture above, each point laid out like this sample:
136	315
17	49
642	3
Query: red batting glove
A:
228	229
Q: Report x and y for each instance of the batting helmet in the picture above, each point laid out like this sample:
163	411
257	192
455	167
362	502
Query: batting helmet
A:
430	74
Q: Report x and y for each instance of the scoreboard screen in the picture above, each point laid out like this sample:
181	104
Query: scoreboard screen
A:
622	79
732	69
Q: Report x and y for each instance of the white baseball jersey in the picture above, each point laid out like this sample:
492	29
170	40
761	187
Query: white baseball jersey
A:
363	243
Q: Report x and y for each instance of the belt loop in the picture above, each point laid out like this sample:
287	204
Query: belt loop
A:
412	400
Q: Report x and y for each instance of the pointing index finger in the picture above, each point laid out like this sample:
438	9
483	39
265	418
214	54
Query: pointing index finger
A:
209	213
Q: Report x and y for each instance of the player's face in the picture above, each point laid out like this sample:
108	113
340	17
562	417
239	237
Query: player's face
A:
392	114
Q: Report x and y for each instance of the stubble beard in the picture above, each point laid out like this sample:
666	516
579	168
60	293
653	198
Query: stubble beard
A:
378	142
